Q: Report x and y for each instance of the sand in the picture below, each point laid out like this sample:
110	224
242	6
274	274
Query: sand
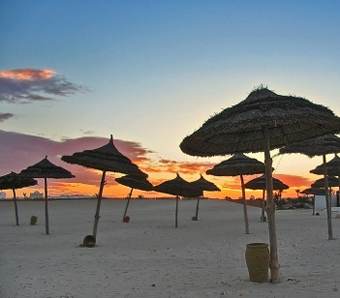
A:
149	258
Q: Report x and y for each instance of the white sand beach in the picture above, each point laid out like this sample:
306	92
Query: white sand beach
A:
148	257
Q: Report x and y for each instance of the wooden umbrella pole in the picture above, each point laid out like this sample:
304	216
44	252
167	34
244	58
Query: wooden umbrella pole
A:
99	199
245	213
176	215
197	206
274	260
127	204
263	206
15	207
328	201
313	204
338	194
47	225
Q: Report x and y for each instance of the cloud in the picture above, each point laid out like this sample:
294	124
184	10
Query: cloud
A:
294	181
173	166
31	85
17	151
5	116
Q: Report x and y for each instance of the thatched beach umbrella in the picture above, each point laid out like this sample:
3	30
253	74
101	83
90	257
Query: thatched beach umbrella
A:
204	185
261	122
45	169
260	183
314	191
106	159
134	182
14	181
319	146
320	183
239	165
333	168
179	188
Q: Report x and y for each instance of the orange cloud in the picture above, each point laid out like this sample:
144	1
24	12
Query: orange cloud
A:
27	74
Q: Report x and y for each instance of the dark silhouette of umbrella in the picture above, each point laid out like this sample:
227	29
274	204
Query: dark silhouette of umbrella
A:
204	185
333	169
14	181
314	191
134	182
261	122
45	169
320	183
319	146
179	188
106	159
260	183
239	165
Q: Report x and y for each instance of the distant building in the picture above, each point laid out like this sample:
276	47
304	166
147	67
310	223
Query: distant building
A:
36	195
2	195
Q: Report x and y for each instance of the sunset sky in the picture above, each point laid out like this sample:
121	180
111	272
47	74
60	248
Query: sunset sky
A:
150	73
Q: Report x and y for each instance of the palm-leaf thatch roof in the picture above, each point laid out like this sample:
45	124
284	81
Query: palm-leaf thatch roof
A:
178	187
105	158
320	183
333	167
14	181
46	169
204	184
241	128
136	182
315	147
260	183
238	164
314	191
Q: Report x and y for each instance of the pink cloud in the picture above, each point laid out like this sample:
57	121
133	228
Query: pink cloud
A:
29	85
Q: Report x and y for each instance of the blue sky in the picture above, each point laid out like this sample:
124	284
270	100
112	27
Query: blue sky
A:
156	70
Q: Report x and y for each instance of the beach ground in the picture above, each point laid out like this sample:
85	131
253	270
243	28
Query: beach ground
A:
148	257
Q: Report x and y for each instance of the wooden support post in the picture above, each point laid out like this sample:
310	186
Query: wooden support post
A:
176	215
47	225
245	212
99	199
328	201
274	260
15	207
127	204
263	215
197	207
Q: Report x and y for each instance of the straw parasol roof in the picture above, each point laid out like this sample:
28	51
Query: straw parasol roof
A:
46	169
320	183
260	183
333	167
178	187
261	122
135	182
314	191
105	158
287	119
315	147
204	184
318	146
238	164
14	181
